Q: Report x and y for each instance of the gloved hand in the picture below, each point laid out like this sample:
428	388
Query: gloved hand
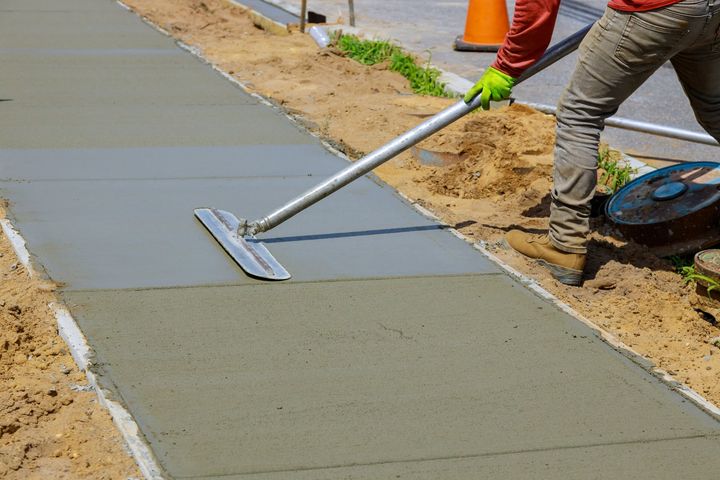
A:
493	85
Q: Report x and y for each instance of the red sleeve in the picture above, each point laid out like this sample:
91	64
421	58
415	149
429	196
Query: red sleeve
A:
529	36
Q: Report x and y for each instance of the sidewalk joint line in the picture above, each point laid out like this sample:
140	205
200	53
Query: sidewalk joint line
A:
283	284
157	179
461	457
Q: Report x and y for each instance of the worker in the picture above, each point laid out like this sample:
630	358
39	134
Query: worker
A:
631	40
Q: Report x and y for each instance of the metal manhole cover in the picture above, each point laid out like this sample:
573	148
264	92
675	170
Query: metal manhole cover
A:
673	210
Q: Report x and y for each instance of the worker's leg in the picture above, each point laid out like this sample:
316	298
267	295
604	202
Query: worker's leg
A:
698	69
619	54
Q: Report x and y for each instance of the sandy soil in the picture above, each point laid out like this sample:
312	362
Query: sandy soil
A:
497	176
51	426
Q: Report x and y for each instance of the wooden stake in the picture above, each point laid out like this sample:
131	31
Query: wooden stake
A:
303	15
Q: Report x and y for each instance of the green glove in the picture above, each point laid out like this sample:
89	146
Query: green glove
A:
493	85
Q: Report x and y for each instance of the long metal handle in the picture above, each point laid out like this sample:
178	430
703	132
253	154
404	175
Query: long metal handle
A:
399	145
643	127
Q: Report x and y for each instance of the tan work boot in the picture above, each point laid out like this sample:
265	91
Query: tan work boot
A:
565	267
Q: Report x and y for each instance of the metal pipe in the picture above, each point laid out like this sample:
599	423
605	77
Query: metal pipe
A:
363	166
351	8
644	127
397	146
303	15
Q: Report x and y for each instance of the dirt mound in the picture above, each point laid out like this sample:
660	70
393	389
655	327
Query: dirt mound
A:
499	152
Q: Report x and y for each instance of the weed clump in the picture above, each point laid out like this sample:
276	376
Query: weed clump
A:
424	79
615	172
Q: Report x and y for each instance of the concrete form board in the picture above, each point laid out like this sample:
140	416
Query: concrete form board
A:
140	234
270	11
285	377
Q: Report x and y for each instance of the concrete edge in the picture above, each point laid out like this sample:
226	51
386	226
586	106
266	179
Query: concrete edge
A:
19	246
81	352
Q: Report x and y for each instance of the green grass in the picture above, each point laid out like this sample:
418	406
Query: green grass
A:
424	80
615	172
367	52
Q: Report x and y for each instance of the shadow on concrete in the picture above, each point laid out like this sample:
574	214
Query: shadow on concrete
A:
359	233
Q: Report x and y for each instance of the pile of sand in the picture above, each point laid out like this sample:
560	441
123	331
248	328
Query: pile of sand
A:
500	152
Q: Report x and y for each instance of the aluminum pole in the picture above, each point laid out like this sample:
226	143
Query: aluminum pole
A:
397	146
644	127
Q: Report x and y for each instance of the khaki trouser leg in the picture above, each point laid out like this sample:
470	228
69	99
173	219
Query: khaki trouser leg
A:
621	51
698	69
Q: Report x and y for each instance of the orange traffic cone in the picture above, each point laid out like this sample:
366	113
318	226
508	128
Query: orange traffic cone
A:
485	27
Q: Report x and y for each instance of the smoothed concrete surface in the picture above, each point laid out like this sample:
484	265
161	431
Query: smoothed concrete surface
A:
142	233
106	26
286	377
121	125
57	5
163	77
167	163
685	459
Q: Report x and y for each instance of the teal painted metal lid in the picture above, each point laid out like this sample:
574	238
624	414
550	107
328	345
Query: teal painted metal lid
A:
666	194
677	207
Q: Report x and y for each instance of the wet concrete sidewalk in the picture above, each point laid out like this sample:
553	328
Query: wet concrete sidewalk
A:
397	351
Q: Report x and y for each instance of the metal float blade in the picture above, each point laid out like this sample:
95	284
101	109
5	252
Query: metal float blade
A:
248	252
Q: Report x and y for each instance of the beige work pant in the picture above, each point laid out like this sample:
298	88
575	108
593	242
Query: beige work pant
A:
619	53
